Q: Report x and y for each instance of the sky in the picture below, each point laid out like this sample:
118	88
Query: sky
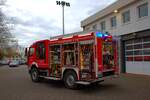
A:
41	19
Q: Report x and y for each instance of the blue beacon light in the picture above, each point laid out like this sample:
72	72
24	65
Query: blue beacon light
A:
105	35
99	34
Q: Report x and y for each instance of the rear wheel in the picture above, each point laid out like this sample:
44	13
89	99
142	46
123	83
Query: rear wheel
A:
35	75
70	79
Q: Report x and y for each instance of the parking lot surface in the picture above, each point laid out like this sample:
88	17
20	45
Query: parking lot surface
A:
15	84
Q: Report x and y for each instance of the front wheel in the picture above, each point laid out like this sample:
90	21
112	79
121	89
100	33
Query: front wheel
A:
34	75
70	79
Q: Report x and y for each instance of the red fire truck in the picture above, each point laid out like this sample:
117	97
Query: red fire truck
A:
78	58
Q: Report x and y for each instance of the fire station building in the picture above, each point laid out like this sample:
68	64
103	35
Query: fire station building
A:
129	21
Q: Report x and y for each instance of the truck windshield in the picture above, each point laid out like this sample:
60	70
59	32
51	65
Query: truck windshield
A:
108	55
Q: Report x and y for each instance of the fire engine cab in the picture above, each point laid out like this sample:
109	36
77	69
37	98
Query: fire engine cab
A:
77	58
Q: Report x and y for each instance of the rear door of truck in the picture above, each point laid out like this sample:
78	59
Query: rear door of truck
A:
105	53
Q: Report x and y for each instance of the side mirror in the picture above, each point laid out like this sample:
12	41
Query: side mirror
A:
26	52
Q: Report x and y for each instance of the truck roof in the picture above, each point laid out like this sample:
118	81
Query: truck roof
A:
73	34
70	35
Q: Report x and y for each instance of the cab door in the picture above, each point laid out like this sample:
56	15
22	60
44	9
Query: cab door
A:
41	54
31	55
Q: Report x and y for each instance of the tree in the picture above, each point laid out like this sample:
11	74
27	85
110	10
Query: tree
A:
7	40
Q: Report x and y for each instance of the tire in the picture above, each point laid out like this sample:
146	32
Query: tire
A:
35	75
70	78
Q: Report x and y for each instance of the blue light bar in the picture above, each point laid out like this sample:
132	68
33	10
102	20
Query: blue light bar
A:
105	35
99	34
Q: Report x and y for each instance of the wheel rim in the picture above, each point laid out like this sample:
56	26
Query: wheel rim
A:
34	75
70	80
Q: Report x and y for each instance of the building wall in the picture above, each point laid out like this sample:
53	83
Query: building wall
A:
135	24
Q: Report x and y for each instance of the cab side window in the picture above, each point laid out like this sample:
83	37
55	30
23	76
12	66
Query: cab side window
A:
40	52
31	51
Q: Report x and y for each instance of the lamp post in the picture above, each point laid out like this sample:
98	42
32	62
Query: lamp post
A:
63	3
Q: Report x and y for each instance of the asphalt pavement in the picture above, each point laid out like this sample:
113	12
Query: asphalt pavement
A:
15	84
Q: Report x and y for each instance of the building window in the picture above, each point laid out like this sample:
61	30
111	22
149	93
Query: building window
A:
146	58
129	42
129	58
94	27
138	58
129	53
147	39
113	21
103	26
130	47
138	46
138	49
143	10
146	52
137	52
126	16
146	45
138	40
